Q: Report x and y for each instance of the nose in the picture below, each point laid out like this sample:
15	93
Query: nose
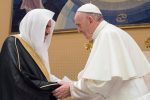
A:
48	31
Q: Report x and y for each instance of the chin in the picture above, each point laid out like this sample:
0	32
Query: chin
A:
87	37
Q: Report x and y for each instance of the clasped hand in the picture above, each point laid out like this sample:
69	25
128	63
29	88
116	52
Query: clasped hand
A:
63	91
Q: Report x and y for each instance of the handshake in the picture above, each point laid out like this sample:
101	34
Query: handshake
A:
62	89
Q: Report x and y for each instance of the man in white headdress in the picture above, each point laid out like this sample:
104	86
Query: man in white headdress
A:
115	67
24	64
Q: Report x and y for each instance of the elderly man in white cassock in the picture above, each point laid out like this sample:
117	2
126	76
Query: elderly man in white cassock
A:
116	66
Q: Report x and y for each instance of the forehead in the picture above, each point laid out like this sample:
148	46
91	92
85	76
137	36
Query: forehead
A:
49	23
77	17
80	15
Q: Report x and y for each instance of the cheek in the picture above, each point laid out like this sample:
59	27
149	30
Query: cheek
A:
84	28
47	30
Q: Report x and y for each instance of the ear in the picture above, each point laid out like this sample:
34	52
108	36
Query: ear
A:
90	18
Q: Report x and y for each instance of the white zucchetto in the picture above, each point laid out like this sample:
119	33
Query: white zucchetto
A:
90	8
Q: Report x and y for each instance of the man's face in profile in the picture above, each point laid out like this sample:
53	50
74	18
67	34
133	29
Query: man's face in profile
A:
82	22
47	30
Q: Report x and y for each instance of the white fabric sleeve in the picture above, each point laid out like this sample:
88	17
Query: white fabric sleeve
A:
84	89
53	78
147	80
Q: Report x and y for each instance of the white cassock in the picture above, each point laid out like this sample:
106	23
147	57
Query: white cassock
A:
114	70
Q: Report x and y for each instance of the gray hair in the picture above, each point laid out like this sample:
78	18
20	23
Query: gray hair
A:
96	16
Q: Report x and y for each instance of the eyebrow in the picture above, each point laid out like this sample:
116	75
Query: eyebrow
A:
48	25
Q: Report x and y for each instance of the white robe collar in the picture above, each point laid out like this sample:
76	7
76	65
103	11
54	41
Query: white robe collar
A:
98	29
